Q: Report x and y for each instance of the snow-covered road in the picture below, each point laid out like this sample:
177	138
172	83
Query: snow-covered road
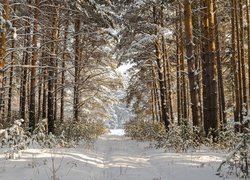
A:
113	157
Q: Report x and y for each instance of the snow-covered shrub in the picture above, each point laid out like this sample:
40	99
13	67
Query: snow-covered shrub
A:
45	140
15	139
86	130
144	130
237	162
40	133
179	138
226	139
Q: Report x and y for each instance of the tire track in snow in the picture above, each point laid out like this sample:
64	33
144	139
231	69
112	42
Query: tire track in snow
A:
124	160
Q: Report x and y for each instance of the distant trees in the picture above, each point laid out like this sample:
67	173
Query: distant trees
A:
59	67
193	38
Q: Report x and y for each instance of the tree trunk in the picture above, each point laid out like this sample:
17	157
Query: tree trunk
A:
157	94
191	63
239	59
3	45
248	52
44	80
63	70
209	68
10	93
26	56
234	65
51	78
222	104
32	103
182	67
242	55
160	70
213	70
77	68
178	85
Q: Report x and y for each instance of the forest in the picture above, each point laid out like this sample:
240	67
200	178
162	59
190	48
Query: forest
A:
187	84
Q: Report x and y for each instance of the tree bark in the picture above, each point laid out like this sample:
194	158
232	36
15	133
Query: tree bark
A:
51	77
191	63
32	103
3	46
63	70
77	68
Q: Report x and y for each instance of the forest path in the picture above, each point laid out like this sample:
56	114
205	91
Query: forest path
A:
124	159
113	157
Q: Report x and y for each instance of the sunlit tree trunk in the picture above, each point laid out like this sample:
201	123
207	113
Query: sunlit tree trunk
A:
160	70
222	104
193	85
210	101
3	45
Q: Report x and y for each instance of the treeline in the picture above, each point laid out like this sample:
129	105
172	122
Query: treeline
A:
191	61
59	66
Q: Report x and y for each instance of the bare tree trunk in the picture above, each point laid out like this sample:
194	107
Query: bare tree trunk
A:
209	68
77	68
248	52
193	85
213	71
160	70
222	104
179	109
44	80
182	68
239	59
26	55
32	103
234	65
3	45
63	70
157	94
152	102
10	93
56	76
242	55
51	78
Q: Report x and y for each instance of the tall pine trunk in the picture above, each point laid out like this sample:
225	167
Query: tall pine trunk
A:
193	85
32	103
3	46
77	68
63	70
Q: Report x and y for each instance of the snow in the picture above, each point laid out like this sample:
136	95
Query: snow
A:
112	157
118	132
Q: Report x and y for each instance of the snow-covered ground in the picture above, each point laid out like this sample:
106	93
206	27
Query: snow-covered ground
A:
113	157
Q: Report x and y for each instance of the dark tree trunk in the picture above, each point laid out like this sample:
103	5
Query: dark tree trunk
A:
32	103
193	85
77	68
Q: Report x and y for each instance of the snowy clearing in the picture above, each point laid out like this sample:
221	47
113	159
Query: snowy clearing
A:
113	157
